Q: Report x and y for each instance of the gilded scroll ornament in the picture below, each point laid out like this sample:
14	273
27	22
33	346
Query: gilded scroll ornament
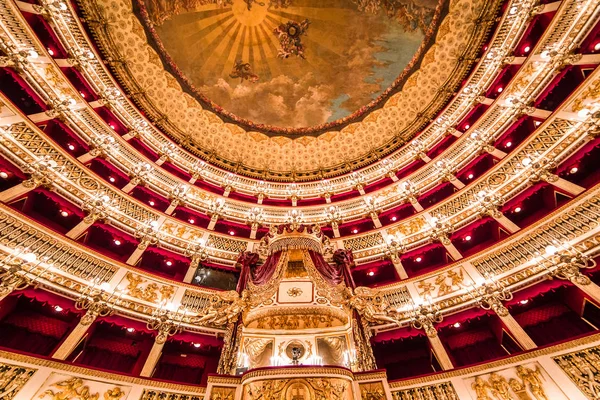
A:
369	303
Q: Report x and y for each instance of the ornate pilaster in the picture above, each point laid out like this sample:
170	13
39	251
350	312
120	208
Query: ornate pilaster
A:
393	251
542	171
215	209
424	317
41	173
97	208
255	219
440	231
488	204
446	173
147	235
137	175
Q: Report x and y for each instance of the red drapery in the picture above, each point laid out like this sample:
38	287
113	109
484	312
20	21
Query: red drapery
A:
260	275
345	260
333	274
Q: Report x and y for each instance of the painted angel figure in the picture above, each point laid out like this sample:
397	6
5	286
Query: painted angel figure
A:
243	71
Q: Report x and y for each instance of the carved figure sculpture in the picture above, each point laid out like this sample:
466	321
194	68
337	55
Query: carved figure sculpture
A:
533	380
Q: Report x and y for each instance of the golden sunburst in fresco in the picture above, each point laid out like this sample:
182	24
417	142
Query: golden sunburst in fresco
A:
300	65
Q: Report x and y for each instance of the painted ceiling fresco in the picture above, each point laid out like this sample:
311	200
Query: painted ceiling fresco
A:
291	63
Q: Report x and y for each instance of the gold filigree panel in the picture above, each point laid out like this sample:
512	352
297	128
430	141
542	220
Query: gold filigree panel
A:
146	289
443	284
583	367
439	391
12	379
299	389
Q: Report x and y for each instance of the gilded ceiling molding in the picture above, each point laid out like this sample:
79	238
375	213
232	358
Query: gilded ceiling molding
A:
300	175
430	180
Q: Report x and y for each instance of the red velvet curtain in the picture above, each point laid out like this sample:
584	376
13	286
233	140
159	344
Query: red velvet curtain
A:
485	350
108	360
333	274
557	329
264	273
174	367
260	275
345	260
23	340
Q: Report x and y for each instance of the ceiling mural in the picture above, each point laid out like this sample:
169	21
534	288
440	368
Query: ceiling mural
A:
158	90
291	64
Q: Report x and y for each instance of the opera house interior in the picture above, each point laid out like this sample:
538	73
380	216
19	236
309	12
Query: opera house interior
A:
211	200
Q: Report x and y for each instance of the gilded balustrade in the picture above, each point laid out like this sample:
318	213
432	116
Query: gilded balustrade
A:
73	265
556	132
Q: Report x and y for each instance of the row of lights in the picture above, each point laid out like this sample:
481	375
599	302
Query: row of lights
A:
458	324
129	329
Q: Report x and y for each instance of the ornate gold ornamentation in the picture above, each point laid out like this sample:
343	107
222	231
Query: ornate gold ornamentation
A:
294	292
153	394
438	391
144	289
525	383
75	388
443	284
225	308
372	391
222	393
583	367
12	379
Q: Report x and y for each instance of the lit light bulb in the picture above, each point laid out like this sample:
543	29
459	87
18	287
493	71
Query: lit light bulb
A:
30	257
468	238
371	273
551	250
508	144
